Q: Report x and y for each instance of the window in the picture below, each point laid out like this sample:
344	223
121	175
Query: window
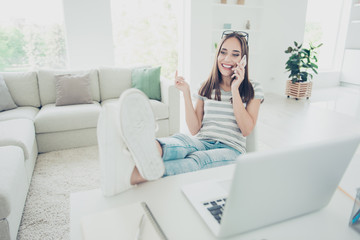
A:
31	35
145	33
323	19
323	24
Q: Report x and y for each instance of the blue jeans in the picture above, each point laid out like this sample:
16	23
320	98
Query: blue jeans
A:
182	153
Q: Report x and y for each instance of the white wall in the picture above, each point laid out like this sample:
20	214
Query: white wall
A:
351	58
88	33
283	23
90	40
197	60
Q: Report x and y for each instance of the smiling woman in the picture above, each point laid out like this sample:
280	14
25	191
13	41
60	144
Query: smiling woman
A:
225	112
31	35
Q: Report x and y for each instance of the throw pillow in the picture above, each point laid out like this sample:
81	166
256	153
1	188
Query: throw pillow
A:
148	81
72	89
6	101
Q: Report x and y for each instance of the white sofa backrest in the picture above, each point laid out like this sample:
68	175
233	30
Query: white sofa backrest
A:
23	87
47	84
113	81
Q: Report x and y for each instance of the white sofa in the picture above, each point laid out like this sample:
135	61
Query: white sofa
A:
37	126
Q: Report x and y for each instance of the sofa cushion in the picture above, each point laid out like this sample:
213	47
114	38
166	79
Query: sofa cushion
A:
23	87
160	109
53	118
47	84
13	189
18	132
6	101
20	112
11	168
113	81
55	141
4	229
148	81
72	89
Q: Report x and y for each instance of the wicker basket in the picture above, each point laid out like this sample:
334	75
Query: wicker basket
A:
298	90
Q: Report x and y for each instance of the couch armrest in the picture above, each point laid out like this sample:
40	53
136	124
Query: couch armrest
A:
170	95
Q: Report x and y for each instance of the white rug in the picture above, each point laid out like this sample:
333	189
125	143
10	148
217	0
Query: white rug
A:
56	175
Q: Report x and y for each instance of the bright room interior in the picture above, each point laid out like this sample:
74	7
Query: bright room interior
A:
181	35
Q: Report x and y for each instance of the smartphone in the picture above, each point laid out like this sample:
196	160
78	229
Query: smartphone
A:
242	63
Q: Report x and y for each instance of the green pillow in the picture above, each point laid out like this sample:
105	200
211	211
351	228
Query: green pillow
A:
148	81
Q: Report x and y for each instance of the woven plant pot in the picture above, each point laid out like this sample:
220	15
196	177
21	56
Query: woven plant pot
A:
298	90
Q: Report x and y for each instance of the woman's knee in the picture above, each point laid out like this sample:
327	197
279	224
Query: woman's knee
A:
213	158
177	146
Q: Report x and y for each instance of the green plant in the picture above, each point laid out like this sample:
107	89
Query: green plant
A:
300	61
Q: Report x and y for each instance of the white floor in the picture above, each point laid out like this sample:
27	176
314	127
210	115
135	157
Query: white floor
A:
345	100
329	113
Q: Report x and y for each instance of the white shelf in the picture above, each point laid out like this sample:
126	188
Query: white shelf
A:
237	6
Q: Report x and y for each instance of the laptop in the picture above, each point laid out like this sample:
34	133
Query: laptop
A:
272	186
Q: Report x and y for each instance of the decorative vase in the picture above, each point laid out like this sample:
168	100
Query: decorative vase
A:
241	2
247	25
298	90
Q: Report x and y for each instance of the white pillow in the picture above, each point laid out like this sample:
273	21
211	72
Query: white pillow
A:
72	89
23	87
6	101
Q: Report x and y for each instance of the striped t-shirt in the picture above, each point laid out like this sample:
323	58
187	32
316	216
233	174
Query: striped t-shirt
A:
219	121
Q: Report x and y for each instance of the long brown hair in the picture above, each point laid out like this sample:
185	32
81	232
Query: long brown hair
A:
246	89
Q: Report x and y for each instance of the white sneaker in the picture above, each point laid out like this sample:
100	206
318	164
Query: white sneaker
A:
137	124
116	162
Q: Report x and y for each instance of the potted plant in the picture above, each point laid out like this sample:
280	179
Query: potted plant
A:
300	62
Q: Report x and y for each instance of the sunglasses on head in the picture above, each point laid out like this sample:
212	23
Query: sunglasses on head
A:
239	33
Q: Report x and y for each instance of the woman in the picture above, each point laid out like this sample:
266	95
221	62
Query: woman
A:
225	113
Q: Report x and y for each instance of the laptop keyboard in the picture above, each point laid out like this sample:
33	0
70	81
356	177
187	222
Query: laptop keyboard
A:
216	208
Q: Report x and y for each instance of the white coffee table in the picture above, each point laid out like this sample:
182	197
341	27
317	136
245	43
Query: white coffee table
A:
180	221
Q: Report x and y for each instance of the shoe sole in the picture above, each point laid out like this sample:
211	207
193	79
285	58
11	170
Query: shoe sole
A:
137	125
116	169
